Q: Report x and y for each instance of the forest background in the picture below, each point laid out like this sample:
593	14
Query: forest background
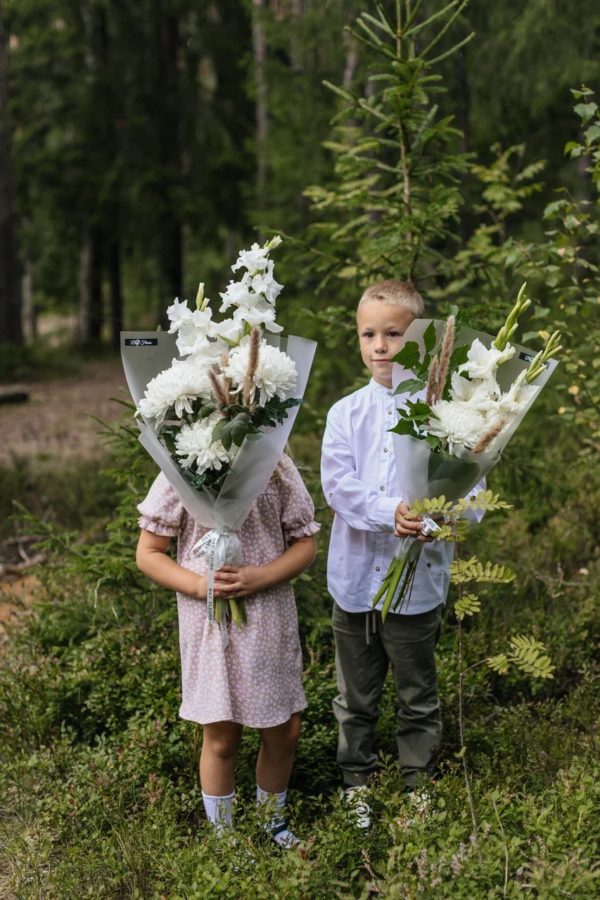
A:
141	146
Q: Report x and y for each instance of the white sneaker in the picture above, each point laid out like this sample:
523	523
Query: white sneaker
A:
356	799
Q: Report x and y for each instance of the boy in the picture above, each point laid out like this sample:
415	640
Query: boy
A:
361	484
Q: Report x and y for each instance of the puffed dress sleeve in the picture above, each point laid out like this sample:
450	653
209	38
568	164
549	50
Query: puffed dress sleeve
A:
297	510
161	512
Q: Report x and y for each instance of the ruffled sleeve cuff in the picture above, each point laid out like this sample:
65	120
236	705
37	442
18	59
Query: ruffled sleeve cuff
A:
148	523
295	532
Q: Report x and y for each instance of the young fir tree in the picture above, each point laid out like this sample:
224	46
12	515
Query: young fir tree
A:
394	197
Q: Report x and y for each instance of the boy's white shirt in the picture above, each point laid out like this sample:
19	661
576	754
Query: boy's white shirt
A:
363	485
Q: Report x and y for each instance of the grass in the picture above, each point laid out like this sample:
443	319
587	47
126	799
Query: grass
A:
99	780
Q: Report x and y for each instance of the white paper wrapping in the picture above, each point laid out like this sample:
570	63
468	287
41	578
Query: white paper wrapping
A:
256	458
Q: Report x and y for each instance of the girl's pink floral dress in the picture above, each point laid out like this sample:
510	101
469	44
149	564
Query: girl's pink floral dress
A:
256	679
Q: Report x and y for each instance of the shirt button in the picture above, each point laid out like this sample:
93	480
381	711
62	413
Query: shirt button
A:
385	449
381	487
377	568
428	565
389	412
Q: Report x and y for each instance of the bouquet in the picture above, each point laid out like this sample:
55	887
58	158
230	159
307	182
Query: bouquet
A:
215	403
471	392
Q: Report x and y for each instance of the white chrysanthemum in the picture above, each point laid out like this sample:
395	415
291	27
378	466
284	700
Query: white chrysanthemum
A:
276	373
195	446
175	388
483	362
456	422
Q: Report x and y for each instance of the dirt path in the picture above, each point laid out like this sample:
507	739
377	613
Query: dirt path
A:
57	420
55	423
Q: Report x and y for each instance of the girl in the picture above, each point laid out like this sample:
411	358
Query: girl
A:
254	678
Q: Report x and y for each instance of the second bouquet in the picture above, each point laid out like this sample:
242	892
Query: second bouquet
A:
216	401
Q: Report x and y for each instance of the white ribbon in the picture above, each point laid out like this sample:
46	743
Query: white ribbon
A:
220	547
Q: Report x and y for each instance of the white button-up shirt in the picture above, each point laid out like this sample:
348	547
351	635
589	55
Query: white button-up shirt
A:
362	484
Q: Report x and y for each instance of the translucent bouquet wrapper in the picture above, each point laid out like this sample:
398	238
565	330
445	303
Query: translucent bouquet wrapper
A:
430	473
145	354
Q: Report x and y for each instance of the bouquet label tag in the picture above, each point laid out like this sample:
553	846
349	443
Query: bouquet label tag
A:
141	342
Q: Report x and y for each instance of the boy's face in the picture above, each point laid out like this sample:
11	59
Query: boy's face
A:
381	328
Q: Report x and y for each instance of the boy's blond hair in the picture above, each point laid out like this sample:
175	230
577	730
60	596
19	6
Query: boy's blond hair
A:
395	293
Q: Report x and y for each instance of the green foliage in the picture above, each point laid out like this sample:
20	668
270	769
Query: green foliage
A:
528	655
467	605
463	571
394	195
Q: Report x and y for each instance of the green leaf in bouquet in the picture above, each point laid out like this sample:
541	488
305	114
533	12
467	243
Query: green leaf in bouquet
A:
218	430
458	357
429	337
419	411
205	410
410	386
434	441
240	426
409	356
403	426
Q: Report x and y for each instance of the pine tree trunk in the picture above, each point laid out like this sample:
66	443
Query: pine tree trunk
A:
259	49
170	225
11	330
116	296
90	287
28	318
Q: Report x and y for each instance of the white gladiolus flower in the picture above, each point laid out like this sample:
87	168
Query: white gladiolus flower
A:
264	283
197	335
254	259
482	363
175	388
276	373
238	293
229	330
260	314
456	422
195	446
481	395
178	313
517	397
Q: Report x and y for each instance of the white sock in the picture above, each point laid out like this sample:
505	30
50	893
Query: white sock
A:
219	810
277	825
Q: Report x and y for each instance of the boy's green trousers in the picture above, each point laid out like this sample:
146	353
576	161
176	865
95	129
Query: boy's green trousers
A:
365	646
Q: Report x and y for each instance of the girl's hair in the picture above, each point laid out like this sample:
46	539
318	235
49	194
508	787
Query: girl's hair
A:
395	293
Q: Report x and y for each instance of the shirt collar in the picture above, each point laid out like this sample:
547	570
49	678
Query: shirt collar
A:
380	388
